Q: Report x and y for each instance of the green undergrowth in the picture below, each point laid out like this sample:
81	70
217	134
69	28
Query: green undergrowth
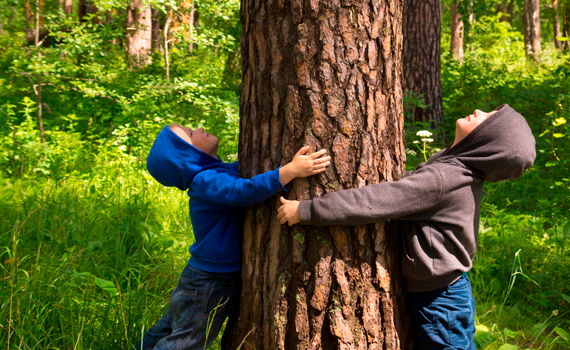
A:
88	263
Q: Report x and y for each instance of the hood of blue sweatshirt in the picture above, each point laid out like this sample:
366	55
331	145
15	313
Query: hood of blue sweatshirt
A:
174	162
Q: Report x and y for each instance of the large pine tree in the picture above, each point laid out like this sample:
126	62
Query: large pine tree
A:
325	74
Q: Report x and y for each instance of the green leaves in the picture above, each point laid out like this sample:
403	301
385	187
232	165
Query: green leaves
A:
484	337
100	282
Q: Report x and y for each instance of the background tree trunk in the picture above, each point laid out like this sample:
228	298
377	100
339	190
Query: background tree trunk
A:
326	75
156	42
421	62
456	32
566	24
556	25
531	23
86	7
502	7
139	33
67	4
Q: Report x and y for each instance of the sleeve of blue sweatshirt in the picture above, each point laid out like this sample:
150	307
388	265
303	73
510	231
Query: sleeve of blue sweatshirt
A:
227	190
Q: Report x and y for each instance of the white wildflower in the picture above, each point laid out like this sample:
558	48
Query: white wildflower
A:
411	152
416	141
424	133
427	140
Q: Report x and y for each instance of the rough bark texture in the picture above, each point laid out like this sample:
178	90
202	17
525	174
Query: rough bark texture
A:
531	23
326	74
456	32
421	62
139	33
556	25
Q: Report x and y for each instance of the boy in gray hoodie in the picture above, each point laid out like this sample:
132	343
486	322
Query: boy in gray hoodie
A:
439	202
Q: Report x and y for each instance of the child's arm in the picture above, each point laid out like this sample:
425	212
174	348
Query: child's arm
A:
304	165
227	190
388	200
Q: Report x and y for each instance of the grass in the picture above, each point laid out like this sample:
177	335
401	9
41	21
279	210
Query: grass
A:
88	263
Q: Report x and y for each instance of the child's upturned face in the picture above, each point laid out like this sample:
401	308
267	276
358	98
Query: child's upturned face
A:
198	138
464	126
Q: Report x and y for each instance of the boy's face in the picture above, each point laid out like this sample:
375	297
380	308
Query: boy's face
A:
464	126
198	138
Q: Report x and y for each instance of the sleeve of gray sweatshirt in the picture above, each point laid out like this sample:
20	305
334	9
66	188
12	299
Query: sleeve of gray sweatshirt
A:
414	194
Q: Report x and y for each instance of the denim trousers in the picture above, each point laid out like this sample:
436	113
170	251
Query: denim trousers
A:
197	310
444	318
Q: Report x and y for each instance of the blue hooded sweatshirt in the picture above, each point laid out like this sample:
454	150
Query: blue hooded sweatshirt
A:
217	197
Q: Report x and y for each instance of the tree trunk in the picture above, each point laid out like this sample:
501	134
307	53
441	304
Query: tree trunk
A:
166	60
421	62
86	7
191	44
566	23
156	42
531	23
325	75
138	41
556	25
67	4
502	7
456	32
30	31
510	10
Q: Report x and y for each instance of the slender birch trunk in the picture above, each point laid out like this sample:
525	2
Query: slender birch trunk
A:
456	32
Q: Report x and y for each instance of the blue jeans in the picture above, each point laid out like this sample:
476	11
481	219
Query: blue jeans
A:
444	318
185	324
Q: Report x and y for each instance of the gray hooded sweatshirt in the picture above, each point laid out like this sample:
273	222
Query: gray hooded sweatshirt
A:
439	201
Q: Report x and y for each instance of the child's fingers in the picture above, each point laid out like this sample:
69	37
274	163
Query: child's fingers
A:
283	201
317	154
322	160
302	151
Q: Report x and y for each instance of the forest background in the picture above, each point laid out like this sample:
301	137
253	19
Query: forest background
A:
91	247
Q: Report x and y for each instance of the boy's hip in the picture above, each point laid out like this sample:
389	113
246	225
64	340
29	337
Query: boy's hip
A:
444	317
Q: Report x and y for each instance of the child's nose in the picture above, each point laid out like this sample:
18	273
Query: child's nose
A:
201	130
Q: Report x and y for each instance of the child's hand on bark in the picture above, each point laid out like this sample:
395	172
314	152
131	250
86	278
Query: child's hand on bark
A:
304	165
289	211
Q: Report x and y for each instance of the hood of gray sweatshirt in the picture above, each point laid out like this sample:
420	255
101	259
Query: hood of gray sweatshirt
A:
439	201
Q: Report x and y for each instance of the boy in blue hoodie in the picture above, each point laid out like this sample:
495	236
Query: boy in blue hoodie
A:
210	282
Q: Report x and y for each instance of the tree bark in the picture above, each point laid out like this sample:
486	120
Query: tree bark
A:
86	7
191	44
456	32
39	88
502	7
67	4
139	34
166	59
421	62
30	31
156	42
324	74
531	23
566	23
556	25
